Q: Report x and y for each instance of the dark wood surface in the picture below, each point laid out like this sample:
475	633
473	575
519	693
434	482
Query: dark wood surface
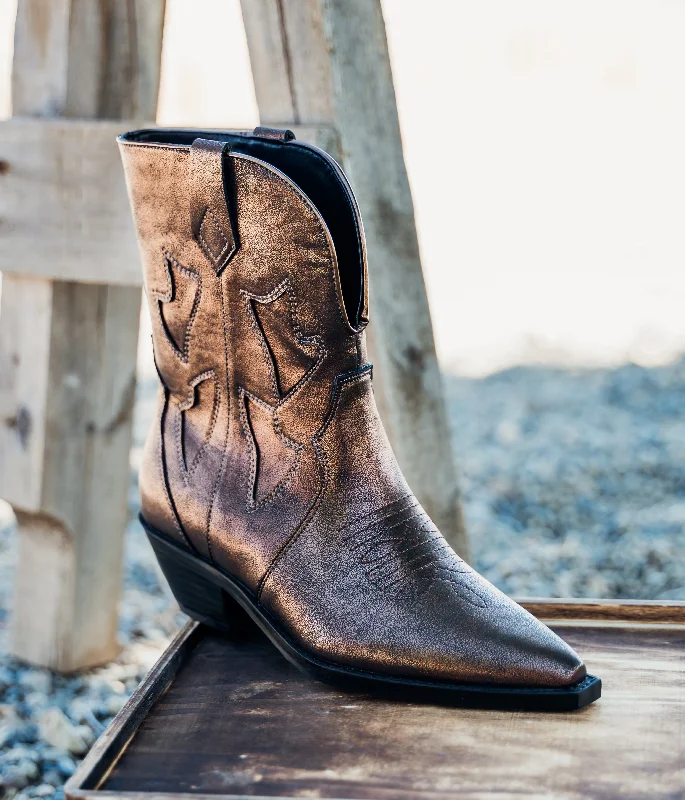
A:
238	721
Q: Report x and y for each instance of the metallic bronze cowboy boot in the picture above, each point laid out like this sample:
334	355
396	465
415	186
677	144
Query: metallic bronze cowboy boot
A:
268	485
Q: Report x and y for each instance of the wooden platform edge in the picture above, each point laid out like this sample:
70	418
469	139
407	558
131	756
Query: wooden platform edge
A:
653	612
108	749
97	765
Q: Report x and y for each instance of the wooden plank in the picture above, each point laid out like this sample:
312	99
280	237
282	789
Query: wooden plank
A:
96	766
625	611
87	59
335	56
63	207
64	212
262	729
25	325
66	434
92	59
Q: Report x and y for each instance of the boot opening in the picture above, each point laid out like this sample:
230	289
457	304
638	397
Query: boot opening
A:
316	175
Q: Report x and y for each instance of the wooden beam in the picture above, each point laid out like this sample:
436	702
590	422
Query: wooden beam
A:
87	59
63	202
573	610
327	62
68	349
64	212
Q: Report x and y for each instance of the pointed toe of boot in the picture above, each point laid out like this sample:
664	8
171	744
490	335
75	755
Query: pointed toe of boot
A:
504	643
559	666
541	658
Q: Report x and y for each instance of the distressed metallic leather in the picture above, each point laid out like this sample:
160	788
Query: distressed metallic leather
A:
268	457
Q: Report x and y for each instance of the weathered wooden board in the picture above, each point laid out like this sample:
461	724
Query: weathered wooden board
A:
85	59
326	62
64	212
652	612
67	380
63	207
239	721
67	346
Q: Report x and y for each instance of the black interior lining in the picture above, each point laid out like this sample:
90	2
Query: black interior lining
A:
316	176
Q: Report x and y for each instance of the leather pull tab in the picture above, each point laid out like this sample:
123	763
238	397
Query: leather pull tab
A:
281	134
210	217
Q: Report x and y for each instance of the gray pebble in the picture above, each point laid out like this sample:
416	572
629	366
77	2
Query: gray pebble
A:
66	766
6	678
36	680
29	769
14	777
53	777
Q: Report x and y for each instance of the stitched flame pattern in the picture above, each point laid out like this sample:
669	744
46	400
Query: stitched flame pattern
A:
404	554
177	304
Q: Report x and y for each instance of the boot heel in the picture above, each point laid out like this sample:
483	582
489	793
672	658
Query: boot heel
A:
197	596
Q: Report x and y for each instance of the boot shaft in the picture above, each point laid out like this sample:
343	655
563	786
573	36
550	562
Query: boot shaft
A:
258	305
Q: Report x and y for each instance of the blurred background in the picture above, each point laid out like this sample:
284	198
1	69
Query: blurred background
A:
544	145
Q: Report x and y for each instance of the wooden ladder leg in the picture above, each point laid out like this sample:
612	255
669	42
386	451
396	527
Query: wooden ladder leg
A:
68	349
67	356
326	63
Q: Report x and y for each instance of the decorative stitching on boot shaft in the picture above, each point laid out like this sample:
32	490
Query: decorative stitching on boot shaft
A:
202	240
184	406
255	455
169	295
305	342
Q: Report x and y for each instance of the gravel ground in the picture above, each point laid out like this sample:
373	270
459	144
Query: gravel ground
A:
574	481
574	485
48	721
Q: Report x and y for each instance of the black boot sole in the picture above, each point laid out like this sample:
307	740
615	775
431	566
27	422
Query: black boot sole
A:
212	597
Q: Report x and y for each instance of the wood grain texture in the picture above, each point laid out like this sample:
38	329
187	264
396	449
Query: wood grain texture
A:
76	343
87	58
327	62
72	437
95	768
239	721
25	325
638	611
64	212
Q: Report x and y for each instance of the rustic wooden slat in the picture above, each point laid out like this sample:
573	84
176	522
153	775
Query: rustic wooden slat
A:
63	207
335	55
239	721
67	397
625	611
104	754
25	325
68	349
87	58
64	211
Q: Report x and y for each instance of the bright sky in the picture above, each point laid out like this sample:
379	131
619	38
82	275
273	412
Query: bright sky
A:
551	214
